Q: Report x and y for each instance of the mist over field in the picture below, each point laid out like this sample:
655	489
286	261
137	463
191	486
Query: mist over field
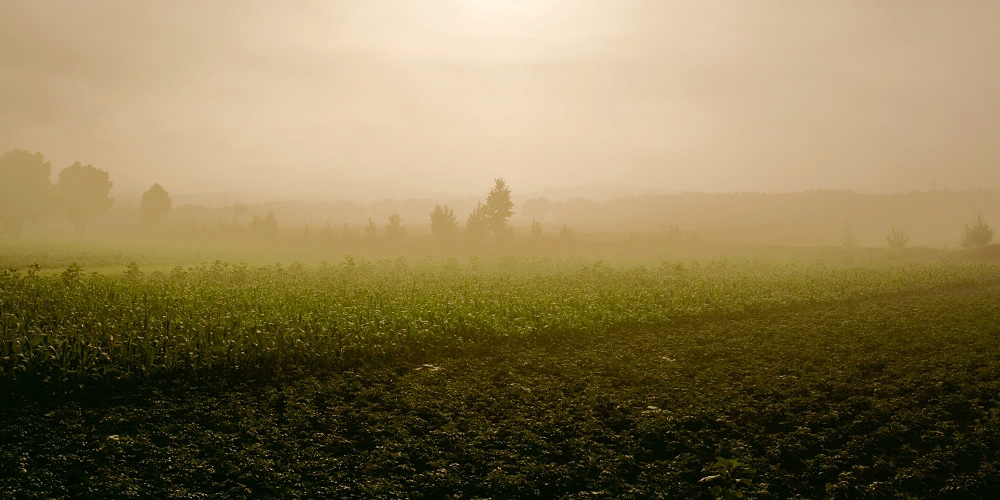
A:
499	249
373	100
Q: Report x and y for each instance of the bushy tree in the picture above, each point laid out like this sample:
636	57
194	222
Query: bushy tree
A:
395	230
499	208
156	203
897	238
977	234
444	225
84	192
477	225
25	189
371	231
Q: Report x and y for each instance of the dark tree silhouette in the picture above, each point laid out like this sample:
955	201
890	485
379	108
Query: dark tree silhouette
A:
264	227
444	225
977	234
25	189
477	225
371	231
499	208
155	205
394	230
84	193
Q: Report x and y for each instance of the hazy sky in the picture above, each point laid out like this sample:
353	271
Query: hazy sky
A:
443	96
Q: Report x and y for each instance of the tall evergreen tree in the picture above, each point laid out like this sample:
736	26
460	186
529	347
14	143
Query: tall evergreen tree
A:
499	208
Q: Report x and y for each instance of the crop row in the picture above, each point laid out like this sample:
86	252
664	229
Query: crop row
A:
236	319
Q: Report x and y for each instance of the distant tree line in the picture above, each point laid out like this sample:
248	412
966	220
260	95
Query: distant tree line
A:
81	193
489	217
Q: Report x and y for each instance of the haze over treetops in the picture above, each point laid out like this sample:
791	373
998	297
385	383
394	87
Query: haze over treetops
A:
380	99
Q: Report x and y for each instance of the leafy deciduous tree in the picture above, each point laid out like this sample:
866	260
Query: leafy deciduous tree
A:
394	230
25	189
156	203
84	192
444	225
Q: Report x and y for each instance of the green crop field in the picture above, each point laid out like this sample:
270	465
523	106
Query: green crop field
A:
501	377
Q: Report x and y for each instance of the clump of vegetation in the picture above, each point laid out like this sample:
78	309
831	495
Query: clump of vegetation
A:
977	234
536	230
394	230
566	233
897	238
371	230
847	238
729	479
264	227
225	318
